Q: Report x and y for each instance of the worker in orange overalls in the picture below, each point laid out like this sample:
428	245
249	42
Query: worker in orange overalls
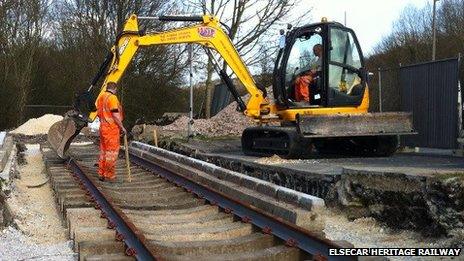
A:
110	113
302	83
306	78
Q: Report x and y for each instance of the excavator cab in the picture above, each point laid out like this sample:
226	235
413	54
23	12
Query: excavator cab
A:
330	54
324	61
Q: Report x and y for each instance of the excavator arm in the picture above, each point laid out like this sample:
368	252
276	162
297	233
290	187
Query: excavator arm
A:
206	31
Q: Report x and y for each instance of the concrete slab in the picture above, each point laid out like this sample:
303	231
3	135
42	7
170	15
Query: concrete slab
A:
109	257
91	234
83	217
89	249
252	242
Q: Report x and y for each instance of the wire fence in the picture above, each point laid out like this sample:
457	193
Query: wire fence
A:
385	90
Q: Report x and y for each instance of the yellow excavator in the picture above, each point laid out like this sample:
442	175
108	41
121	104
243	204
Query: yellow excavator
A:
333	117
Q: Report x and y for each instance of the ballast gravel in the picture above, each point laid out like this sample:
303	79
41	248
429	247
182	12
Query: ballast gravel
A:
16	246
37	233
368	233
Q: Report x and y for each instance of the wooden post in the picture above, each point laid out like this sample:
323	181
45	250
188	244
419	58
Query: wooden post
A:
155	137
126	148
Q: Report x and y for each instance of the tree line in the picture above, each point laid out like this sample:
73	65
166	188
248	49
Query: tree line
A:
51	49
410	42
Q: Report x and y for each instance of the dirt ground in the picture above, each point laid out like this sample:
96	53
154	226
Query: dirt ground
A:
368	233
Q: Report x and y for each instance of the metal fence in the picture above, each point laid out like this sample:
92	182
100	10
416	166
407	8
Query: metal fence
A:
385	90
431	92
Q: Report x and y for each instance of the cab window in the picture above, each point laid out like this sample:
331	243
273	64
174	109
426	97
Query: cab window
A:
345	85
302	59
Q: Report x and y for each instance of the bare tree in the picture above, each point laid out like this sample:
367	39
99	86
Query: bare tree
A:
250	22
410	42
21	31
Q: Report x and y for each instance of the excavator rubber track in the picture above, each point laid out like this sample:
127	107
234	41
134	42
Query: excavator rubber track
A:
274	140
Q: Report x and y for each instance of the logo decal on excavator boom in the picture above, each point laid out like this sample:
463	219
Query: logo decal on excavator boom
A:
206	32
123	46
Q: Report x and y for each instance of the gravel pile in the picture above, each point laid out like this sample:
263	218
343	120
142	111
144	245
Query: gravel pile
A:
15	246
36	126
228	122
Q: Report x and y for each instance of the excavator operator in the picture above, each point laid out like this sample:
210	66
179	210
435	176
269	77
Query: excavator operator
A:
110	113
306	79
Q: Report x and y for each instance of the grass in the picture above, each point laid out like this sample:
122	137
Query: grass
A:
446	176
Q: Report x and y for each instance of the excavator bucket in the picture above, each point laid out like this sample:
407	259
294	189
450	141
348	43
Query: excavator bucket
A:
352	125
61	134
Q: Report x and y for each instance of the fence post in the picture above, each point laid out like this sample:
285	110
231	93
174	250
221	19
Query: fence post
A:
190	123
380	89
460	114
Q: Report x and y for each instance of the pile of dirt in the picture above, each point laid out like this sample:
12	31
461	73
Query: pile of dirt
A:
37	126
228	122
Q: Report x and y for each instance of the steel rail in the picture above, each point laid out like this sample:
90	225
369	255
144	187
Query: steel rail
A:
290	233
125	230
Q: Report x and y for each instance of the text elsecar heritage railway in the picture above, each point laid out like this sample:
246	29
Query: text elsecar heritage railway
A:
304	183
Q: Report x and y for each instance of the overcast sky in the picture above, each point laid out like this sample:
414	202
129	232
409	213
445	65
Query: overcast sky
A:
370	19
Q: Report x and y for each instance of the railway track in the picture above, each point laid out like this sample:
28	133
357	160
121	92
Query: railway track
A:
163	215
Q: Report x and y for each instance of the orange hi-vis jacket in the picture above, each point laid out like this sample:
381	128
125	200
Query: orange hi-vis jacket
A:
106	105
109	134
